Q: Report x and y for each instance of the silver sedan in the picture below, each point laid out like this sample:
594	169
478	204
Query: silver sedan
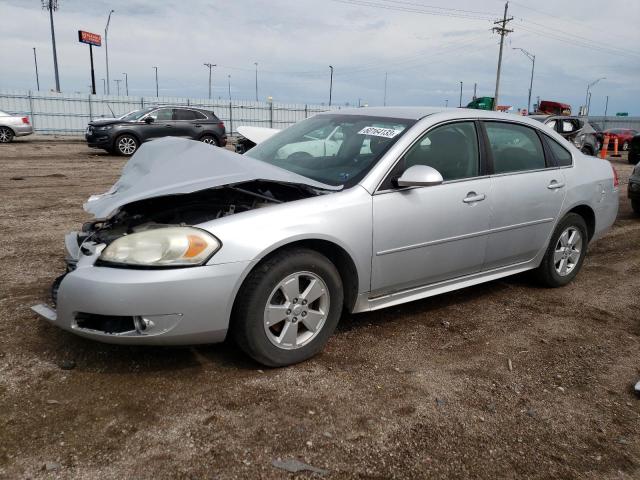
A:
195	243
13	126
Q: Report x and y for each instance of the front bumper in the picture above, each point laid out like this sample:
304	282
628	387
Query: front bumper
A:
22	130
182	306
633	190
98	139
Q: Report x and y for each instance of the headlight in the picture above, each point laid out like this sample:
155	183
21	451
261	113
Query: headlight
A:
162	247
106	127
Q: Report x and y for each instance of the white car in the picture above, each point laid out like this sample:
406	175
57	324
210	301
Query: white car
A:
13	126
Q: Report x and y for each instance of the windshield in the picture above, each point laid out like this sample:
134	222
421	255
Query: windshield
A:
135	115
332	149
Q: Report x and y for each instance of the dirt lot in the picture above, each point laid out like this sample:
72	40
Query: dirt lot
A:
418	391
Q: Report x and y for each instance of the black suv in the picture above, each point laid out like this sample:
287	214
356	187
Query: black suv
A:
124	135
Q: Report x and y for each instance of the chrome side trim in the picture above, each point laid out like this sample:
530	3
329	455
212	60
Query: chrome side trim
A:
366	303
465	236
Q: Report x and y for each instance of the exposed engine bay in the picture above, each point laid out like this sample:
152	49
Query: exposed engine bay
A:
192	208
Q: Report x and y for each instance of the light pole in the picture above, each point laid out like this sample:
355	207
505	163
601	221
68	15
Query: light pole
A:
586	99
52	5
531	57
117	80
256	64
446	103
460	95
106	48
384	102
126	83
229	83
35	59
330	84
156	81
209	66
104	87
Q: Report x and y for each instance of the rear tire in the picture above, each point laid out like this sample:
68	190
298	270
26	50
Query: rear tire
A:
276	319
210	139
635	205
126	145
6	135
587	151
565	253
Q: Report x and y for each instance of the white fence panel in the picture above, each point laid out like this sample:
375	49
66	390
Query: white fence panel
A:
68	114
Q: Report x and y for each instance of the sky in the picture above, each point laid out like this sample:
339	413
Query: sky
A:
424	48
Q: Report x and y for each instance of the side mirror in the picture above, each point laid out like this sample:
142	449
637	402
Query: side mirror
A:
149	120
419	176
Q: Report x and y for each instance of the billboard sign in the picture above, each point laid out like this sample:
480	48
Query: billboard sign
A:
89	38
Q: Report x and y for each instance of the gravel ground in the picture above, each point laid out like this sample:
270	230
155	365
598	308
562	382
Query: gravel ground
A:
502	380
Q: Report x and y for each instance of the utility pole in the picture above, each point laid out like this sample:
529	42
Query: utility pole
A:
117	80
35	59
531	57
446	103
330	84
385	89
156	81
106	48
475	87
52	5
210	65
104	87
256	64
606	107
460	95
229	83
126	83
503	31
587	97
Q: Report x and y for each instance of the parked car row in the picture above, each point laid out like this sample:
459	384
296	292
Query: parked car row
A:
124	135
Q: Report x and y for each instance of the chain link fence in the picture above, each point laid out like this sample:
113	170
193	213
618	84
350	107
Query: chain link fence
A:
68	114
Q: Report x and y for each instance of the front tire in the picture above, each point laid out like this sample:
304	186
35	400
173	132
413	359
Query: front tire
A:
126	145
287	308
587	151
635	206
565	253
6	135
625	146
210	139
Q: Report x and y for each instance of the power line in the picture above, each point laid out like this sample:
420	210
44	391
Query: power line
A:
411	9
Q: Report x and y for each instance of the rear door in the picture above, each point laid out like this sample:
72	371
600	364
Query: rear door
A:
187	124
528	191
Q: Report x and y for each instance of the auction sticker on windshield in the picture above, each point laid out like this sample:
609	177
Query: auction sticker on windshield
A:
379	132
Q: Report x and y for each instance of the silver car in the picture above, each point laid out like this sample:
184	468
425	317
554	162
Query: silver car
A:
13	126
195	243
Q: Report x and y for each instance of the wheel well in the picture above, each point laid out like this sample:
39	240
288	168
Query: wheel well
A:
8	128
589	218
339	257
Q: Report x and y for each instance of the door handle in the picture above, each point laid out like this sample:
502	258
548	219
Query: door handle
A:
197	125
554	185
168	126
473	197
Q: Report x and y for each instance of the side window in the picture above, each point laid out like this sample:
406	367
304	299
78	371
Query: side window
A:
182	114
451	149
162	114
562	155
515	148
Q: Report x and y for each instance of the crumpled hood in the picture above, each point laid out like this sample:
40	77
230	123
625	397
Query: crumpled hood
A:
99	122
174	165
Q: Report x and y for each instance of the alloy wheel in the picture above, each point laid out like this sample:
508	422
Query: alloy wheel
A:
567	251
127	145
297	310
209	140
5	135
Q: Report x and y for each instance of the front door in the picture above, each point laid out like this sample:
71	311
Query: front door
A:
163	124
424	235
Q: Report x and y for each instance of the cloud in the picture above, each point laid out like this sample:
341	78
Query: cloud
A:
294	42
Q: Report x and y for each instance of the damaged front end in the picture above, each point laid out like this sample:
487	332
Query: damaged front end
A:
173	185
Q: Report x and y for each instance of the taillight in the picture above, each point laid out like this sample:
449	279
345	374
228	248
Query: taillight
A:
616	182
25	120
221	124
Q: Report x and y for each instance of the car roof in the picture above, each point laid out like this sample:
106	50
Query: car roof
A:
417	113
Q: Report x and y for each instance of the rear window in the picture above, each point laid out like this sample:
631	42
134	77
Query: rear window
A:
515	148
182	114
